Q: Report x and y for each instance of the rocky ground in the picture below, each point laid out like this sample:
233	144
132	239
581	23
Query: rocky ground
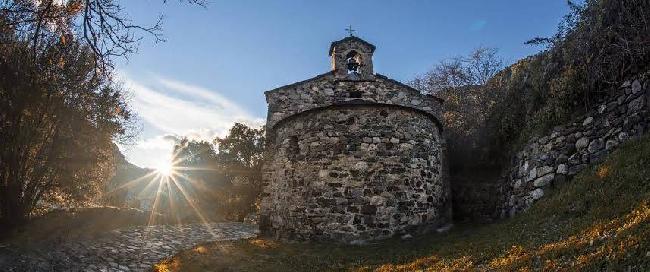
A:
128	249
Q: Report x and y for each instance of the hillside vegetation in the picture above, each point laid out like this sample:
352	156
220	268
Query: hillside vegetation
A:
490	110
597	47
599	221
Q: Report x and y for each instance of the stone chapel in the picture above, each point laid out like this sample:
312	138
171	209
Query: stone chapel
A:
353	155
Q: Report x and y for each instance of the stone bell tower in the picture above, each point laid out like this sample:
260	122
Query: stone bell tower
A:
352	58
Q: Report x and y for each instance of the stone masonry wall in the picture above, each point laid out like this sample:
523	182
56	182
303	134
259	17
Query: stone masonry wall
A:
554	158
325	90
353	172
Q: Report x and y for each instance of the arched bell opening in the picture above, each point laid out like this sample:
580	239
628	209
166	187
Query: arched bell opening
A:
353	62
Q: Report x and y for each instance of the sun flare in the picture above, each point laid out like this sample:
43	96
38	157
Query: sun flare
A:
165	169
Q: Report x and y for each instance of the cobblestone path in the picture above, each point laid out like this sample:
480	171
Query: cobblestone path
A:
129	249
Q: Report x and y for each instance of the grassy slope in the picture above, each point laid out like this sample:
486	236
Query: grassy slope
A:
600	220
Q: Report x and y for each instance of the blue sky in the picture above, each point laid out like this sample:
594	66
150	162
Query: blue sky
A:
218	61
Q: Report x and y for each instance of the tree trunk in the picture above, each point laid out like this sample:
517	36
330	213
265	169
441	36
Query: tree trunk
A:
13	212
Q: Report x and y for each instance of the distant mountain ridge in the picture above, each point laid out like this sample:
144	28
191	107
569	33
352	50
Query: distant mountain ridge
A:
127	186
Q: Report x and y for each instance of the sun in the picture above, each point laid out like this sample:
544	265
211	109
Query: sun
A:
165	169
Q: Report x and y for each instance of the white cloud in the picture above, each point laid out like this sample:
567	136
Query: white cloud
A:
156	142
178	109
152	152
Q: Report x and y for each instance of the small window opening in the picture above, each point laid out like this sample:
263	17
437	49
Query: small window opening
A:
355	94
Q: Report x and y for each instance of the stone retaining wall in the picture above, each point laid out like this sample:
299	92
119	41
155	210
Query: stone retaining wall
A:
554	158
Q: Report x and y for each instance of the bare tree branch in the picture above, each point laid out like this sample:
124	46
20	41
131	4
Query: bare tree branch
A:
102	25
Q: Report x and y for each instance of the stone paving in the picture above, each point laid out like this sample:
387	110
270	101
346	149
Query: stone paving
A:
129	249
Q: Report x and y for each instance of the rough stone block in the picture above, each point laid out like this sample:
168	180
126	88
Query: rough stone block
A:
544	180
595	146
532	174
582	143
636	86
636	105
611	144
544	170
536	194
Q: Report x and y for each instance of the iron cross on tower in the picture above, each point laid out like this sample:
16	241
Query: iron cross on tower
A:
350	30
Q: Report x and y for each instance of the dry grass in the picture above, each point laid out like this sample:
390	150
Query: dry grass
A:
599	221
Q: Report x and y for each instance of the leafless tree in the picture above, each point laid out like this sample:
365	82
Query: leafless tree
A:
463	83
102	25
474	69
